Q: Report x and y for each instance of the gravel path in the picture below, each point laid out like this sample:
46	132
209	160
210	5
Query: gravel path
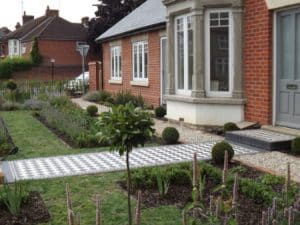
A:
187	135
274	162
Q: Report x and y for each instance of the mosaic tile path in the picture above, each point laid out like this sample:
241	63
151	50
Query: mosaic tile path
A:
94	163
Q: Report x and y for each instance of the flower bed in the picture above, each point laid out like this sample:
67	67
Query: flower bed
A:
256	190
69	122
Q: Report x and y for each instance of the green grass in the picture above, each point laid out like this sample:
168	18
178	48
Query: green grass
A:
113	201
34	139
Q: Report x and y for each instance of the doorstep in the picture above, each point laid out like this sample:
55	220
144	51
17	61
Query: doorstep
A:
261	139
282	130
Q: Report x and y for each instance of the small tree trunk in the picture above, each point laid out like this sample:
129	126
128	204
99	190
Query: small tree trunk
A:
138	209
98	212
128	187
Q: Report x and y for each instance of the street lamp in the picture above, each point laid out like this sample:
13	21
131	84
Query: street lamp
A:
52	61
83	49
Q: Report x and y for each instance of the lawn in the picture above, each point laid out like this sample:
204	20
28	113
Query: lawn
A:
34	139
113	201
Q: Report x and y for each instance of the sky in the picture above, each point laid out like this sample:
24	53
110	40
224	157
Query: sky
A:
72	10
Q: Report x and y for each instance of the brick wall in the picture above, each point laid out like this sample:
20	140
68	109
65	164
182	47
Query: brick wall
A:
95	70
64	52
151	93
258	44
44	73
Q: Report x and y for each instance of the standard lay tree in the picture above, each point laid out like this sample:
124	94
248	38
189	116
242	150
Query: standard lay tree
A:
123	128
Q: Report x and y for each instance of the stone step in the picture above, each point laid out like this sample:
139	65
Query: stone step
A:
283	130
261	139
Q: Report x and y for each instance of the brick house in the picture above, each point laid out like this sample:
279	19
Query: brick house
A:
4	31
132	52
227	60
57	39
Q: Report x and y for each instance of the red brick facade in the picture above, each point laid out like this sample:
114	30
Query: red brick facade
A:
95	69
258	45
258	63
64	52
151	93
44	73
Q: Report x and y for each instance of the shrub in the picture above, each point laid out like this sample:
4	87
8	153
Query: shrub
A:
92	96
92	110
11	106
218	152
35	53
170	135
13	196
296	146
5	148
97	96
10	65
160	112
33	104
11	85
124	97
230	127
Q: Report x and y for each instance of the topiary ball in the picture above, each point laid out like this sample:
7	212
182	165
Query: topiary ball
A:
160	112
230	127
92	110
218	152
296	146
170	135
11	85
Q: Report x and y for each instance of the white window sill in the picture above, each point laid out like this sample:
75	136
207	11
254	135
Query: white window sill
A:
143	83
112	81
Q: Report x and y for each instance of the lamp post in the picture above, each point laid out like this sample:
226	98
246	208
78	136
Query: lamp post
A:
83	49
52	61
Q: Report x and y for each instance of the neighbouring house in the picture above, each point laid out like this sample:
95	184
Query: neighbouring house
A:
57	39
132	50
4	31
227	60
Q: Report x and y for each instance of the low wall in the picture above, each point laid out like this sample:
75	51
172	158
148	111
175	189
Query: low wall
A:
44	73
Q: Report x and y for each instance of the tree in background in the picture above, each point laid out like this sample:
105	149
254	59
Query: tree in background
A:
108	13
35	53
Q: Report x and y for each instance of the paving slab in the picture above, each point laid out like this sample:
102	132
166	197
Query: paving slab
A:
94	163
260	138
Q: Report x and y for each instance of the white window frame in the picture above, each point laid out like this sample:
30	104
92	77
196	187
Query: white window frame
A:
115	67
136	77
14	47
162	79
185	90
207	54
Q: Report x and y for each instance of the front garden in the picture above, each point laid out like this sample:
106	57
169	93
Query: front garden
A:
41	121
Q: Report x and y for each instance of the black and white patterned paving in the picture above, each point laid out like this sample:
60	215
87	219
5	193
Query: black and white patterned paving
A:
93	163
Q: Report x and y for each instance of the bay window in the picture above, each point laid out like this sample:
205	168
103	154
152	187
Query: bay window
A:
218	53
140	60
116	63
184	53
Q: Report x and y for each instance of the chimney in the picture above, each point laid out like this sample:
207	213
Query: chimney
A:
27	18
85	21
18	25
52	12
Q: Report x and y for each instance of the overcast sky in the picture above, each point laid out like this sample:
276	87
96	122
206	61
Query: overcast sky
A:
72	10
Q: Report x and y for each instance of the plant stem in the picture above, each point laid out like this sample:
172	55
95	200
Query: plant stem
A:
128	187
